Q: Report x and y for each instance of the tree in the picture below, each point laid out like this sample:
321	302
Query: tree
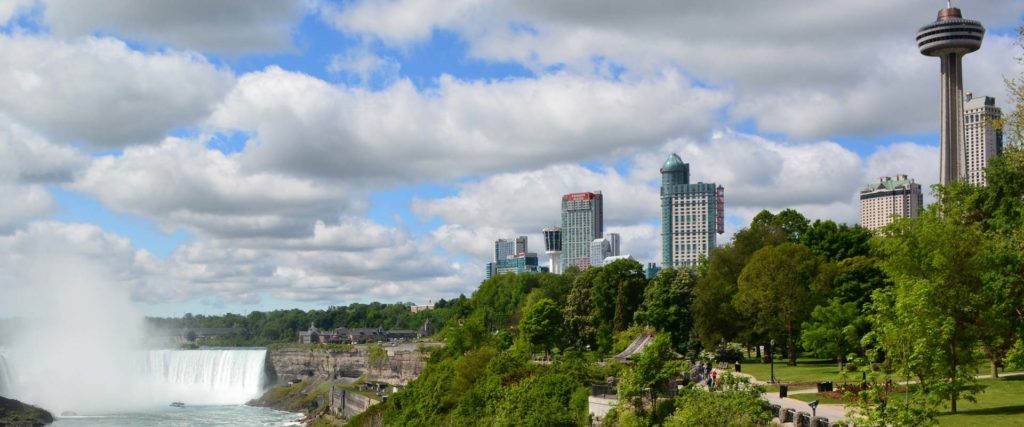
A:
549	400
791	223
836	242
542	325
929	322
603	301
714	316
666	306
778	289
649	375
834	330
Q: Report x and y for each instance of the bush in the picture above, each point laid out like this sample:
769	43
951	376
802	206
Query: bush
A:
737	404
729	352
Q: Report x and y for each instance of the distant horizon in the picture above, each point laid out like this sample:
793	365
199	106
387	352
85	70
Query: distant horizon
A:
259	156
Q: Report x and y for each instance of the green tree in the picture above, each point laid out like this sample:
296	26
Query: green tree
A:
836	242
603	301
929	322
736	403
778	288
834	330
544	400
648	377
542	325
667	301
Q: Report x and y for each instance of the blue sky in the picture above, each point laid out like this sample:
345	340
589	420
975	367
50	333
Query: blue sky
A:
311	153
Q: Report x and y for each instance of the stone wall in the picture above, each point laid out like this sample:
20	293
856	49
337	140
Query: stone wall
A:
405	362
347	403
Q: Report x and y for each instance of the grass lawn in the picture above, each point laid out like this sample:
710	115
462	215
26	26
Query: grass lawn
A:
1001	404
807	370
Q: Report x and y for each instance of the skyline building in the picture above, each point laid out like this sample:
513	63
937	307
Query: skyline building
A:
582	222
616	242
599	250
890	197
521	263
604	248
950	37
692	215
553	248
982	139
506	248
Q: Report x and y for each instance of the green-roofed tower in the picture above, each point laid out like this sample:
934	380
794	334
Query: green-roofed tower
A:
691	215
888	198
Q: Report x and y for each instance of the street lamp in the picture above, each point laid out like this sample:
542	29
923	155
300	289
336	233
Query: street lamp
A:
771	359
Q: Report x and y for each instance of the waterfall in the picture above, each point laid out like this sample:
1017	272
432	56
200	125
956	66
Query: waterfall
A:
134	380
209	377
5	376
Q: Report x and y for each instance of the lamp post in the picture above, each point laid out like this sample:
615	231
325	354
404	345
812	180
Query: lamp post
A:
771	359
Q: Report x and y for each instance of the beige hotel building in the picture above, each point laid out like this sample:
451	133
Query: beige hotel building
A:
890	197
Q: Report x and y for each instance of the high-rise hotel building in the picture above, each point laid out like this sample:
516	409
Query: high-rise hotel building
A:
691	215
890	197
582	222
982	139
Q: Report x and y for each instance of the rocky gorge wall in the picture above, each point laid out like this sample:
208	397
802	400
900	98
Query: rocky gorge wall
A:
403	364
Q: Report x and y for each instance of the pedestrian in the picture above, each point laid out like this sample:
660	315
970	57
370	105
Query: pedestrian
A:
714	377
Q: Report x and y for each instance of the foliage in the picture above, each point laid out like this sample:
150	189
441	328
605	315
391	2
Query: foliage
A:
834	330
376	356
928	321
777	289
729	352
548	400
259	328
735	403
649	375
666	304
602	302
836	242
716	318
542	325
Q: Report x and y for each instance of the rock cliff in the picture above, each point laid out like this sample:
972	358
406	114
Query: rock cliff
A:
16	414
402	364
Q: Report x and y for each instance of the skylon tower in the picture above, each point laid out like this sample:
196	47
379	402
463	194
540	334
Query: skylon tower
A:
951	37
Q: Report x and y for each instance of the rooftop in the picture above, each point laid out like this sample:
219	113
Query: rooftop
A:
672	164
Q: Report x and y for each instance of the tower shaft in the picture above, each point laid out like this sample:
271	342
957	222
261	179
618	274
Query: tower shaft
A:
951	145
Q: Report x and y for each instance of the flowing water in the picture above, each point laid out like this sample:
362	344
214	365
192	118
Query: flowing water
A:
213	384
225	415
5	375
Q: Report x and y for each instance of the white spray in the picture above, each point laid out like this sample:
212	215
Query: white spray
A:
77	346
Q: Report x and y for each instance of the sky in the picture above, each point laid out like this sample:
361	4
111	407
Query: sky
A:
233	156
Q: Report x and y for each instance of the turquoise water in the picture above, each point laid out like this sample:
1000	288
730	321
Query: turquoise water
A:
226	415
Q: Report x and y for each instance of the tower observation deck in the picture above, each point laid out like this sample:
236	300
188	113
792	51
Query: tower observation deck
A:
951	37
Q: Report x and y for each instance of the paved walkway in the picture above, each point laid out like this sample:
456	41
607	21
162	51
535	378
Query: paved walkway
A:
834	412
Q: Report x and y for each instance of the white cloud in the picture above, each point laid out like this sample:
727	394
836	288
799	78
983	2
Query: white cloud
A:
99	91
10	8
27	163
231	26
362	66
306	126
526	202
808	70
22	203
396	22
181	183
